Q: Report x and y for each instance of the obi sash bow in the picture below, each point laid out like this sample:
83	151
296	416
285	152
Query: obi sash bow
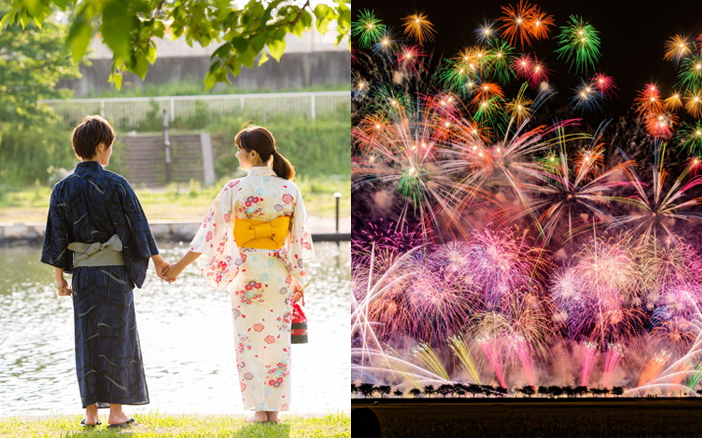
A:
252	233
98	254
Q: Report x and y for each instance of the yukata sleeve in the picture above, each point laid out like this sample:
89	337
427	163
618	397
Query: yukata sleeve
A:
299	249
132	226
220	261
55	250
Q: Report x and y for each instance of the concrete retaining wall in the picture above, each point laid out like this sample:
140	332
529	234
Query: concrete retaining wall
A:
297	71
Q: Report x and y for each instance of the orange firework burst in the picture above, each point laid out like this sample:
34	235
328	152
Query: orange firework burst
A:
486	91
661	125
648	101
673	102
373	126
693	102
524	22
677	48
417	26
540	24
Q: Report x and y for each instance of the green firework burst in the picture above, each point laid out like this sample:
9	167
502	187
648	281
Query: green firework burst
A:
690	73
500	66
690	137
579	44
368	29
454	75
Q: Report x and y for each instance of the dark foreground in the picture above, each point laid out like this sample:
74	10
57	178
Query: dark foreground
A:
535	418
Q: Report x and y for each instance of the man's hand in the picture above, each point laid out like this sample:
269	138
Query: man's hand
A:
64	289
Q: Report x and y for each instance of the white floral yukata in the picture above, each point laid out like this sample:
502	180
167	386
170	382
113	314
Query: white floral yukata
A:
259	279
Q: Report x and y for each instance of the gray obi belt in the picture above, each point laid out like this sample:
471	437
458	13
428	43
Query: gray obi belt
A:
98	254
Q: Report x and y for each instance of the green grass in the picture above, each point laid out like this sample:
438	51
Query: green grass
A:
192	200
190	426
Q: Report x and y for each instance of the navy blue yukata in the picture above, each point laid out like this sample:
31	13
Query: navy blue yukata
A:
91	205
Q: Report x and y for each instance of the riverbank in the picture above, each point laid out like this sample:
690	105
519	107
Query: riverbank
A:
190	426
32	233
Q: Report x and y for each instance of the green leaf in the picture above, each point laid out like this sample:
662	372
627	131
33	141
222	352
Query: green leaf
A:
117	25
151	52
221	52
79	37
209	81
324	15
5	20
306	18
240	44
116	78
276	48
24	18
34	7
263	59
248	57
258	41
141	66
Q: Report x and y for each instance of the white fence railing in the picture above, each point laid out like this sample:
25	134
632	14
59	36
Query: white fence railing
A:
147	112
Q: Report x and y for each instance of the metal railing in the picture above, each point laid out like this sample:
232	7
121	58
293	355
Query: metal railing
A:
145	113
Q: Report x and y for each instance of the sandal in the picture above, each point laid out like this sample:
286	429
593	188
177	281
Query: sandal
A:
82	423
127	423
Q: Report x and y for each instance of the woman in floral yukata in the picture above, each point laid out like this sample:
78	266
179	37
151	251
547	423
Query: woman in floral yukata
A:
255	240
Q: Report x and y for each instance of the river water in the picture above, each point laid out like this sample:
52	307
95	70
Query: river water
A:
187	339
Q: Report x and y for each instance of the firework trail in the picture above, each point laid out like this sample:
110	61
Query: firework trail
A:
589	361
613	355
653	368
462	352
660	211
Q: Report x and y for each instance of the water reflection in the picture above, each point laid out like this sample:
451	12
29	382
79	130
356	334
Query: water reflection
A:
187	339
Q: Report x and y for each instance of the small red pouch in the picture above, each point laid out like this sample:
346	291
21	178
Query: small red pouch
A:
299	325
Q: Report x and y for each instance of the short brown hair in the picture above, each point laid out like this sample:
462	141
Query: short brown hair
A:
260	139
88	135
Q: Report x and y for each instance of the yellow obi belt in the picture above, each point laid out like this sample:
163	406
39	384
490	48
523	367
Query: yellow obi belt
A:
251	233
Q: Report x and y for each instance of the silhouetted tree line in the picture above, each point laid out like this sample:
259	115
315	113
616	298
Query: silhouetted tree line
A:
464	390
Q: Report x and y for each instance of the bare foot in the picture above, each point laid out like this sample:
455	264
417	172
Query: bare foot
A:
117	418
258	417
273	417
91	415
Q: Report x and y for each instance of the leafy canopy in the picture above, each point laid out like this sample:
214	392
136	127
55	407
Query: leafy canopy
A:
128	28
31	63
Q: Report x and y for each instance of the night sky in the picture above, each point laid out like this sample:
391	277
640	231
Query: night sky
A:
632	37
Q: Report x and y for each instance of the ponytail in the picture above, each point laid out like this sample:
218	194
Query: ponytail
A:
282	166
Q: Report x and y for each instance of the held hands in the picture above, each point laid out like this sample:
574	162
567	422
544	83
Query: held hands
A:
172	271
160	265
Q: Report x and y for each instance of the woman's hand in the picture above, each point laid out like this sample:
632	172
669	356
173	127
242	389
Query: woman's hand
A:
298	291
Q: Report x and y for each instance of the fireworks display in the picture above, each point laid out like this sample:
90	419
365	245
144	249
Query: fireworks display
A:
500	240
